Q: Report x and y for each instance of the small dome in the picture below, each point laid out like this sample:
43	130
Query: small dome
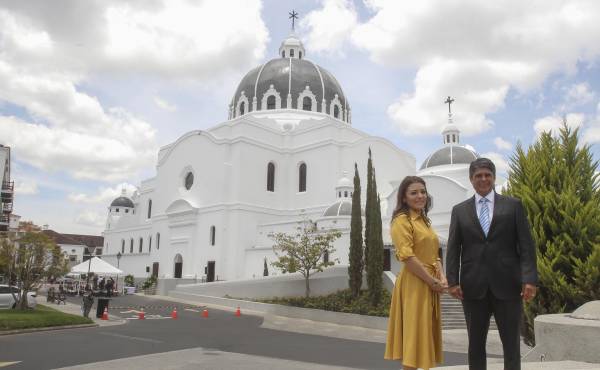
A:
122	201
450	154
345	182
341	208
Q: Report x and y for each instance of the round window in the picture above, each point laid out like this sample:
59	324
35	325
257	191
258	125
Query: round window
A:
189	180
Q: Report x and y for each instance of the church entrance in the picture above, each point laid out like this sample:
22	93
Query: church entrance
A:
155	269
210	273
178	268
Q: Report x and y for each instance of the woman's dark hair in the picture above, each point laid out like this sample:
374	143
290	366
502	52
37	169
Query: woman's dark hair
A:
401	207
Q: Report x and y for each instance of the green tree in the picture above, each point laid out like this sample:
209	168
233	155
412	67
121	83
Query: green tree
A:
373	237
355	270
31	259
557	181
304	251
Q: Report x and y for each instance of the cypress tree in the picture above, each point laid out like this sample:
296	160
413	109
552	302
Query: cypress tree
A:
355	270
373	237
557	181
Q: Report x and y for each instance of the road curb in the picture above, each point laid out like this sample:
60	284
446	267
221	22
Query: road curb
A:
47	328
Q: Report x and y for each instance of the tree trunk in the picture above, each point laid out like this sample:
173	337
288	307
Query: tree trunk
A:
22	305
307	292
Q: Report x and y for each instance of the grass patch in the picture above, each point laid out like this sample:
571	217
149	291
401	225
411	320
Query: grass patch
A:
341	301
41	317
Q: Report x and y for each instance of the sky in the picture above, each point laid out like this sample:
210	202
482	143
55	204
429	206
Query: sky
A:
90	90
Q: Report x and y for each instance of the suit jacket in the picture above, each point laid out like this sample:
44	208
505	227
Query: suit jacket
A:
502	261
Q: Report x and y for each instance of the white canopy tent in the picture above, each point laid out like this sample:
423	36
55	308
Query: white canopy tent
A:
97	266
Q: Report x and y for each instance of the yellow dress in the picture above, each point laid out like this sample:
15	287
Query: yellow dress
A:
415	328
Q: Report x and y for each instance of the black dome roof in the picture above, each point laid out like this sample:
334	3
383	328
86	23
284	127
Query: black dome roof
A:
122	202
451	154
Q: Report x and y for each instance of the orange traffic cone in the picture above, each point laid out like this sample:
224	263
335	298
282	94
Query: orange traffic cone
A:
237	312
174	313
141	315
105	314
205	313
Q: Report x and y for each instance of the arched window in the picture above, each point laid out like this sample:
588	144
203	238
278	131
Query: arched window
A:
141	244
453	138
157	241
291	53
212	235
271	177
283	53
345	194
306	103
271	102
189	180
131	246
122	246
149	208
299	55
302	178
242	108
336	111
149	243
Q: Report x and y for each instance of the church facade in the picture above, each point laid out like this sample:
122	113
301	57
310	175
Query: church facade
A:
285	154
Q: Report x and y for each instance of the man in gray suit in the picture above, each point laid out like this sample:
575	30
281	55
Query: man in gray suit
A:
491	265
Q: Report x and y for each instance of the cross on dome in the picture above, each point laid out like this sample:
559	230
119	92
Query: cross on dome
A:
293	16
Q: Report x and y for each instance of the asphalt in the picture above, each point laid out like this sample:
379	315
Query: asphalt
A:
235	340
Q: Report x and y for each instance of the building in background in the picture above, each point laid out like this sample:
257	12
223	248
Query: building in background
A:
7	187
77	248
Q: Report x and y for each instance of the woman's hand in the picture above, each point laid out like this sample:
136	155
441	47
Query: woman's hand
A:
438	286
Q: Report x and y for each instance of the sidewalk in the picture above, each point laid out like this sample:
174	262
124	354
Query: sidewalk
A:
74	309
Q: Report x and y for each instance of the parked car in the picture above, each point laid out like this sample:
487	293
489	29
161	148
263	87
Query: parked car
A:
7	300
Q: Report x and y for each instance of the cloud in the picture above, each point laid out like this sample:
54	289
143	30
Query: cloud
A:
474	51
328	27
23	187
104	195
164	105
554	122
91	218
577	95
502	144
591	134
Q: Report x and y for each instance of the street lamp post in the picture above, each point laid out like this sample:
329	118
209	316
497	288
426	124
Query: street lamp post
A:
119	255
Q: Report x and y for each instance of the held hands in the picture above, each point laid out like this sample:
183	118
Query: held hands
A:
438	285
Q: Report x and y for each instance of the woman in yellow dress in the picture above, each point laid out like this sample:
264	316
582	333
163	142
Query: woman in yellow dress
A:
415	326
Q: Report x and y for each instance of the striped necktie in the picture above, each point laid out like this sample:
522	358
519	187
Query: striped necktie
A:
484	216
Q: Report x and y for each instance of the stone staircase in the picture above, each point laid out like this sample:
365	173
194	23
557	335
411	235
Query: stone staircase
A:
453	316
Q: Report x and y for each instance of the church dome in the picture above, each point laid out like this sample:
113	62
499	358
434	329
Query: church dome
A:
340	208
450	154
122	201
290	82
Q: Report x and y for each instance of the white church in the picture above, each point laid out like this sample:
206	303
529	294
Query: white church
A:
285	154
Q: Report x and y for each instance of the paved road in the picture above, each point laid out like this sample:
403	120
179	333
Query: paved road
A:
222	331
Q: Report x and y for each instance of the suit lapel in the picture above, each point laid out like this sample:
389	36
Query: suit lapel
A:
498	203
472	210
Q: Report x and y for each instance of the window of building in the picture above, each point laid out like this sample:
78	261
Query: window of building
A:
302	178
117	210
326	257
126	210
122	246
131	246
157	241
149	243
189	180
453	138
336	111
283	54
141	244
271	177
271	102
242	108
339	194
299	55
345	194
306	103
291	53
149	208
213	232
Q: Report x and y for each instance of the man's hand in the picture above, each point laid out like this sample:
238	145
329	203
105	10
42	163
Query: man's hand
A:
456	292
528	292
